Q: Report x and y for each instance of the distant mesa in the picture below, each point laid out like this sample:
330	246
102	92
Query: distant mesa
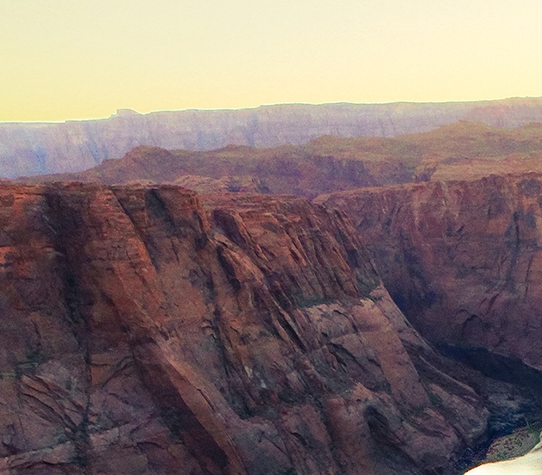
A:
30	149
126	113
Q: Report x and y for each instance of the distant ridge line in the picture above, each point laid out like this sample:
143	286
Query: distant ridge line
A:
42	148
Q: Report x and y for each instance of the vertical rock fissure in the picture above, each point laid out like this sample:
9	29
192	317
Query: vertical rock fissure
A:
63	221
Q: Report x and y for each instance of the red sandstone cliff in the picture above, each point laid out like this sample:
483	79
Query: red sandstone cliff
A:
142	332
462	259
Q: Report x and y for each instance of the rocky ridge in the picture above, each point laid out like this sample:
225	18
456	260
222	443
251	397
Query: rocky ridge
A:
464	150
144	331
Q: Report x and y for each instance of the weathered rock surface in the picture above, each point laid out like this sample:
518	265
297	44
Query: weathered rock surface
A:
33	149
462	259
225	184
208	185
142	332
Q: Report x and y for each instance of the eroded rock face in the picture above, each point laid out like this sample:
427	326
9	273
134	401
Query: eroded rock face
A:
143	332
462	259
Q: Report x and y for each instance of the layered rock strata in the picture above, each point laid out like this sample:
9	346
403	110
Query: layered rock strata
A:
462	259
40	148
143	332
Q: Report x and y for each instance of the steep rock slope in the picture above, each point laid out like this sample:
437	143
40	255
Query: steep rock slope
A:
142	332
31	149
462	259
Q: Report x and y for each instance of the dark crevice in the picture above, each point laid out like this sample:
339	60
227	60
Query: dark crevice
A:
387	443
229	225
66	221
228	268
502	368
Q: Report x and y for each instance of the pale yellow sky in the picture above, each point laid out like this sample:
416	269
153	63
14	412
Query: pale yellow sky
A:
69	59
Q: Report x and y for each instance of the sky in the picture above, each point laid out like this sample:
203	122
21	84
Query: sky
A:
68	59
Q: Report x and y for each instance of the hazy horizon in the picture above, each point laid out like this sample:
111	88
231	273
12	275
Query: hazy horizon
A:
65	60
136	112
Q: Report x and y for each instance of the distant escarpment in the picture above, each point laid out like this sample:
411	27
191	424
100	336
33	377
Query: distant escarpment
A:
462	259
144	332
41	148
464	150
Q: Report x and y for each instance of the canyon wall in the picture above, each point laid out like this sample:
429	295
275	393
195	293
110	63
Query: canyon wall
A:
41	148
462	259
145	332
